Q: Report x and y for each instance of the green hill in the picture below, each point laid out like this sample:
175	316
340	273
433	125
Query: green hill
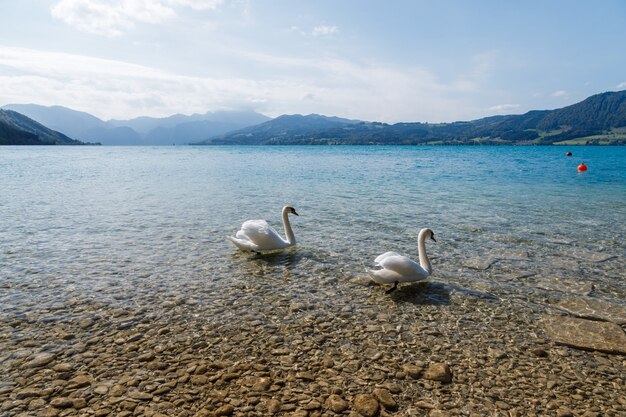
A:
281	130
599	119
17	129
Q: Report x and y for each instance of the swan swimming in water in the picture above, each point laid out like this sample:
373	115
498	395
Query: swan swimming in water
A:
259	236
396	268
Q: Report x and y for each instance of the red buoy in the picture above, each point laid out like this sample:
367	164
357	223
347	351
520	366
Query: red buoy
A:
568	153
582	167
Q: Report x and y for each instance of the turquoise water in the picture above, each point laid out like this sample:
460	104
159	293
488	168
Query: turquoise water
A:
517	222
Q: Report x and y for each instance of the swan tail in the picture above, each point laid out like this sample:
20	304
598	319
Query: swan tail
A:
373	275
243	244
384	276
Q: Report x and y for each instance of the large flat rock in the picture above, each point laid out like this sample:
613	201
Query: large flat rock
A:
588	307
480	263
565	285
585	334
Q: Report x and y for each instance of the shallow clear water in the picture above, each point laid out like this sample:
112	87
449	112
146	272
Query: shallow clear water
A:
514	222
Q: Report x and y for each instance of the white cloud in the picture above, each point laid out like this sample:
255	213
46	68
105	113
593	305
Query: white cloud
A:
324	30
560	93
503	108
113	17
197	4
621	85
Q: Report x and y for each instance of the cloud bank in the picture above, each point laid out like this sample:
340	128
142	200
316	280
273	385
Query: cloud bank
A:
115	89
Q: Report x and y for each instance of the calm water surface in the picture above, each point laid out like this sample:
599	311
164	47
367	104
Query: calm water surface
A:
514	222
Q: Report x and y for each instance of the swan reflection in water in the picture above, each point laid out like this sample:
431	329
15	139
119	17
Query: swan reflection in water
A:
290	262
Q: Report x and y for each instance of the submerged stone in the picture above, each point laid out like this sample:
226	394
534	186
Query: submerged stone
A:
595	309
480	264
586	334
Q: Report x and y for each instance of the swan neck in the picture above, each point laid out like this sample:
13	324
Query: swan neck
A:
288	232
421	247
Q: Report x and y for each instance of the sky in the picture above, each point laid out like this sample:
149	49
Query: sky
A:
390	61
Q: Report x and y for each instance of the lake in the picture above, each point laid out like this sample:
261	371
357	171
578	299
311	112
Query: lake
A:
505	217
115	268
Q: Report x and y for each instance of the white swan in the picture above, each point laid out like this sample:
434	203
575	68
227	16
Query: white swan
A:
396	268
258	236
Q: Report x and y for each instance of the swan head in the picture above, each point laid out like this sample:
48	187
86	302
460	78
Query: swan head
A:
429	233
290	210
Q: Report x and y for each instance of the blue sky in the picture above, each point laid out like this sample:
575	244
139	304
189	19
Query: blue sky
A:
428	61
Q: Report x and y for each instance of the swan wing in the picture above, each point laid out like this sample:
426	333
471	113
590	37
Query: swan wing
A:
262	235
404	267
379	258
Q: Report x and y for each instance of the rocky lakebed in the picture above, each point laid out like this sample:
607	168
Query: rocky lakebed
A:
276	341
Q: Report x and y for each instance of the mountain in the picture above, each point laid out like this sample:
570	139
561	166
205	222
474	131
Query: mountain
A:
70	122
199	126
77	124
285	129
178	129
17	129
599	119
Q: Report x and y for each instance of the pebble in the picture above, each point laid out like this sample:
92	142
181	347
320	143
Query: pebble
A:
336	404
366	405
262	384
27	393
79	381
36	404
146	357
438	372
142	396
425	405
564	412
63	367
539	352
62	402
274	406
117	390
225	410
42	359
496	354
385	399
414	371
48	412
101	390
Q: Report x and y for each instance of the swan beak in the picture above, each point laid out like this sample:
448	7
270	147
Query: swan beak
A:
294	212
433	237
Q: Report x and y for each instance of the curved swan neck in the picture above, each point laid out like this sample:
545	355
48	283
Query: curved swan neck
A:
421	247
288	232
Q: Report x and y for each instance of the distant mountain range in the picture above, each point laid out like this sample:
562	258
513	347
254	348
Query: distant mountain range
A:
177	129
599	119
17	129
